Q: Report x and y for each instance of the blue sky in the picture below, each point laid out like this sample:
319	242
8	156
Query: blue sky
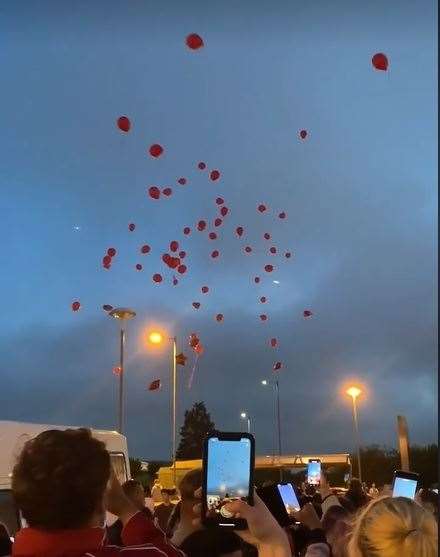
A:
360	193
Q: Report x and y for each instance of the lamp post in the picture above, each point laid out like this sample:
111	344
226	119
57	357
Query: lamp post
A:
245	416
276	386
156	338
121	315
354	392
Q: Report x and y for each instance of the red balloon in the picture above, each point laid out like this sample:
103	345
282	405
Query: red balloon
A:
106	260
106	266
201	166
181	269
212	236
156	150
303	134
307	313
182	181
167	191
218	222
219	201
266	236
277	366
219	317
288	254
380	61
273	342
268	268
111	252
215	254
193	340
76	306
205	289
201	225
196	305
248	249
154	192
173	262
174	246
145	249
282	215
182	254
262	208
239	230
187	230
123	123
131	226
224	211
138	267
107	307
194	41
257	280
273	250
214	175
157	277
263	317
263	299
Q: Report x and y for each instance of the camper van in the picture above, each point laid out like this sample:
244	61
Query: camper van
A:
13	436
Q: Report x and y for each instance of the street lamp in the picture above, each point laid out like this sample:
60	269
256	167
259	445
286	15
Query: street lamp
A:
121	315
354	392
276	387
245	416
156	338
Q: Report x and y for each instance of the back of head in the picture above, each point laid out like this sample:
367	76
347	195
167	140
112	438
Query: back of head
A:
59	479
212	542
394	527
355	487
135	492
191	481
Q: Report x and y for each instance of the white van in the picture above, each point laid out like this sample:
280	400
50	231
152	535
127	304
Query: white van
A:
13	436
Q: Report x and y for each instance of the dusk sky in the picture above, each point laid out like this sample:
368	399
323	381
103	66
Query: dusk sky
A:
360	194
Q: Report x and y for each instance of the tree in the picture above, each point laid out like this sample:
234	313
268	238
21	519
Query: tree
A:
196	426
135	467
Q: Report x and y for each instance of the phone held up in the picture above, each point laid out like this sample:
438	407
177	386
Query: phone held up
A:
405	484
228	470
314	472
282	502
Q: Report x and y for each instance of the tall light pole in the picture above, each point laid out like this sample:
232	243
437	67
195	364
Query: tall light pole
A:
121	315
276	386
157	338
354	392
245	416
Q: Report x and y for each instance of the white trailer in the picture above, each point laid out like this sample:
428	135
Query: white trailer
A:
13	436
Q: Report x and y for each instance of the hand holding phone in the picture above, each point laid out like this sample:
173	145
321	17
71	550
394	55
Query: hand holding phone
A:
228	466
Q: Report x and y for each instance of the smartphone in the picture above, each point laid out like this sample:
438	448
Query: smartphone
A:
405	484
289	497
228	470
314	472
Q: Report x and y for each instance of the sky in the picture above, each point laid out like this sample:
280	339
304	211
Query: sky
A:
360	194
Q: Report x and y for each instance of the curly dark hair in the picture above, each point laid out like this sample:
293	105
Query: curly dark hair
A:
59	479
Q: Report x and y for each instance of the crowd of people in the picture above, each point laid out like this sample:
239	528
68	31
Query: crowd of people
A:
63	485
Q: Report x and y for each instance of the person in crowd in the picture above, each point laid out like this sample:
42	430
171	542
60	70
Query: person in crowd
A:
184	526
63	483
135	493
213	542
355	498
394	527
149	503
373	492
336	525
156	492
5	541
162	512
429	500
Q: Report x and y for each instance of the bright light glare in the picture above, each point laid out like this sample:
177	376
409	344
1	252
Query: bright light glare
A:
264	382
354	392
276	282
243	414
155	338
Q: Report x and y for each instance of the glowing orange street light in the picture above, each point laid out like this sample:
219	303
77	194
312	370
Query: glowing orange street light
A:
354	392
155	337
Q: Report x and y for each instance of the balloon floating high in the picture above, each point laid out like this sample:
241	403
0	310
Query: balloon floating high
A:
123	124
380	61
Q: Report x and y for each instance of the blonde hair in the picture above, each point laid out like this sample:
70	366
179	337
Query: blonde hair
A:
394	527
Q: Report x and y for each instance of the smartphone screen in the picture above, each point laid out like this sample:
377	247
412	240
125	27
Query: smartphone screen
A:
404	486
314	472
289	497
229	462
